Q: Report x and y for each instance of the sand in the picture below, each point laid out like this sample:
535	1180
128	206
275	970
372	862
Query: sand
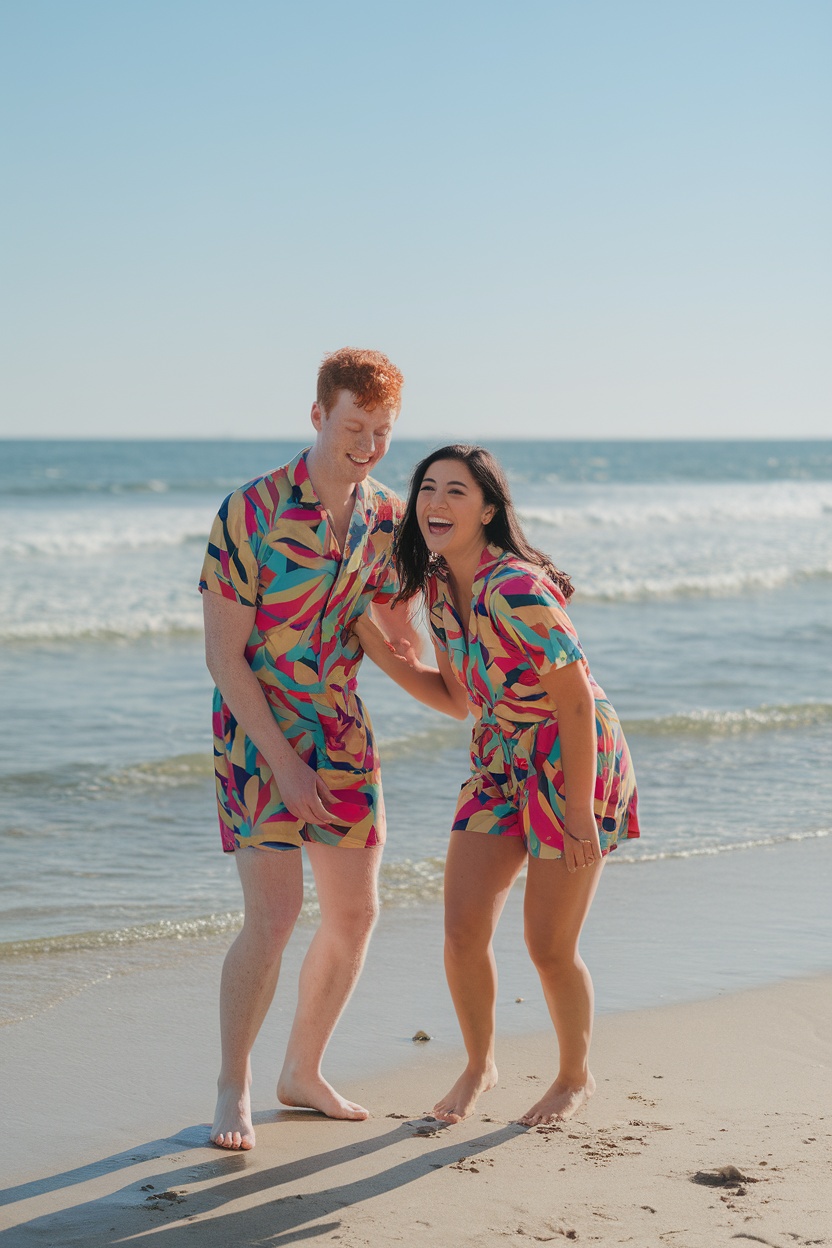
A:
105	1145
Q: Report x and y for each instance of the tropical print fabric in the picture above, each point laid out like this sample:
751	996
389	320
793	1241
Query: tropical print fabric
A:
273	547
518	630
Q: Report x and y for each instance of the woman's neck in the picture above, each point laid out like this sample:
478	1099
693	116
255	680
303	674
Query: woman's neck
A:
462	568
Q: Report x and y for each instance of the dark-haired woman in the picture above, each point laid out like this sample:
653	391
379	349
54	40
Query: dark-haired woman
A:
551	779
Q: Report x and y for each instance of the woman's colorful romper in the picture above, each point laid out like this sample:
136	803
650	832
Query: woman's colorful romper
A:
519	630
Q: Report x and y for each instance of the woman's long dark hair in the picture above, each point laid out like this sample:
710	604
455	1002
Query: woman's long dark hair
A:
415	563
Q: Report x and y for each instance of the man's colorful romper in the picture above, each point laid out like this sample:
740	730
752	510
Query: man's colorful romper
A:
272	547
519	630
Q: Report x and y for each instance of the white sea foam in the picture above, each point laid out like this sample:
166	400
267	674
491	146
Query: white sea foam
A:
84	533
662	505
638	856
714	584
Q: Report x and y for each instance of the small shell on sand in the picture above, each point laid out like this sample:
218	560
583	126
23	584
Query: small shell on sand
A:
421	1037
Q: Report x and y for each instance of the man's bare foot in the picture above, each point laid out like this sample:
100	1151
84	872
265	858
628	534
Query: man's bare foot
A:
232	1121
303	1092
561	1102
463	1096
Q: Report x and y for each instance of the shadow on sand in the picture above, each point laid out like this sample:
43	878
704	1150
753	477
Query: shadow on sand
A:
163	1202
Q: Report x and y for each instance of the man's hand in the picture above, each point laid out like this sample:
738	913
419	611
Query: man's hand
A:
303	792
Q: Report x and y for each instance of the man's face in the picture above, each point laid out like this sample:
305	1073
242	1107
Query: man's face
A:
351	439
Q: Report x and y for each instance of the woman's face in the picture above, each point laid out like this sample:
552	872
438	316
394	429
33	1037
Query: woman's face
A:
451	510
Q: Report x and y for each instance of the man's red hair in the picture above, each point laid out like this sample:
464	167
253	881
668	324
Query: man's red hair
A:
368	375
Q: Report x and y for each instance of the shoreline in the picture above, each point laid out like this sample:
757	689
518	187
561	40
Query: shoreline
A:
740	1080
663	931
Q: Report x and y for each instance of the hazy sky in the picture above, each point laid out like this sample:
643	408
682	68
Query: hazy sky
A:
570	218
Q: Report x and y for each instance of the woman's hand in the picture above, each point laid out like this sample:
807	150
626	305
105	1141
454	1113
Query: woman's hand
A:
581	842
371	638
435	686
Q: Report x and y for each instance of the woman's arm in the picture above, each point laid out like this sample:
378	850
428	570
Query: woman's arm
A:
228	627
570	690
436	687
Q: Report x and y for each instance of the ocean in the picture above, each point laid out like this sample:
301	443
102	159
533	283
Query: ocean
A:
703	574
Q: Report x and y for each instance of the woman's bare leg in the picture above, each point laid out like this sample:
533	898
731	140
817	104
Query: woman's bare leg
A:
556	907
479	871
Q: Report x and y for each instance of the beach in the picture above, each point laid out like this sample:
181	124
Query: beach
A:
115	1087
111	1090
704	600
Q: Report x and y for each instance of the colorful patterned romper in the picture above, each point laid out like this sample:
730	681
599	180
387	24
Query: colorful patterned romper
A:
272	547
519	630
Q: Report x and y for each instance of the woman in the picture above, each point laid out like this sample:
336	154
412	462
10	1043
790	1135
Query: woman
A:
551	781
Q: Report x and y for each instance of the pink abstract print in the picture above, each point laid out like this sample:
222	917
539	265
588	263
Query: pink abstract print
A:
272	547
519	630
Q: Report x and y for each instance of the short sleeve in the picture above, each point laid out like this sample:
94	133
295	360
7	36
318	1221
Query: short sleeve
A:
436	621
528	613
231	566
386	581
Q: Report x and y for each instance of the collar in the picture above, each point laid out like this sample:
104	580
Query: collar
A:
303	493
489	559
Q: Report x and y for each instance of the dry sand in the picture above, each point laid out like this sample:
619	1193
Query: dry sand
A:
742	1081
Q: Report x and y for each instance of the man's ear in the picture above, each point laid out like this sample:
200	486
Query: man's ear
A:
317	415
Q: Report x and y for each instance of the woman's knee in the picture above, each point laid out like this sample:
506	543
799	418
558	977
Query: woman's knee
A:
466	934
551	957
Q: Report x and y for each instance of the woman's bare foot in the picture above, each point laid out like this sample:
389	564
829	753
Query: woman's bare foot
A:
463	1096
304	1092
232	1121
561	1102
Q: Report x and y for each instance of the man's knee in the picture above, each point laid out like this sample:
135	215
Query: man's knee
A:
354	917
271	926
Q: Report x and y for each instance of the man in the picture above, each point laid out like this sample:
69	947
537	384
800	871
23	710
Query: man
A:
292	559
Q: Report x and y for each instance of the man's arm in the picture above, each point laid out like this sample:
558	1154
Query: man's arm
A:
228	626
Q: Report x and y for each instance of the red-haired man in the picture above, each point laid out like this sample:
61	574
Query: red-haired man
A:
292	559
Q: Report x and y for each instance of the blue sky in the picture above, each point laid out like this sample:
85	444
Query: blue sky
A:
580	218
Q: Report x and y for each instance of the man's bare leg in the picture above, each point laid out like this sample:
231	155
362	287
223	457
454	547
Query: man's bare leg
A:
556	907
272	883
346	881
479	871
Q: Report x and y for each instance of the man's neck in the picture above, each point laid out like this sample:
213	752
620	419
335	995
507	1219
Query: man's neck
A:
337	495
